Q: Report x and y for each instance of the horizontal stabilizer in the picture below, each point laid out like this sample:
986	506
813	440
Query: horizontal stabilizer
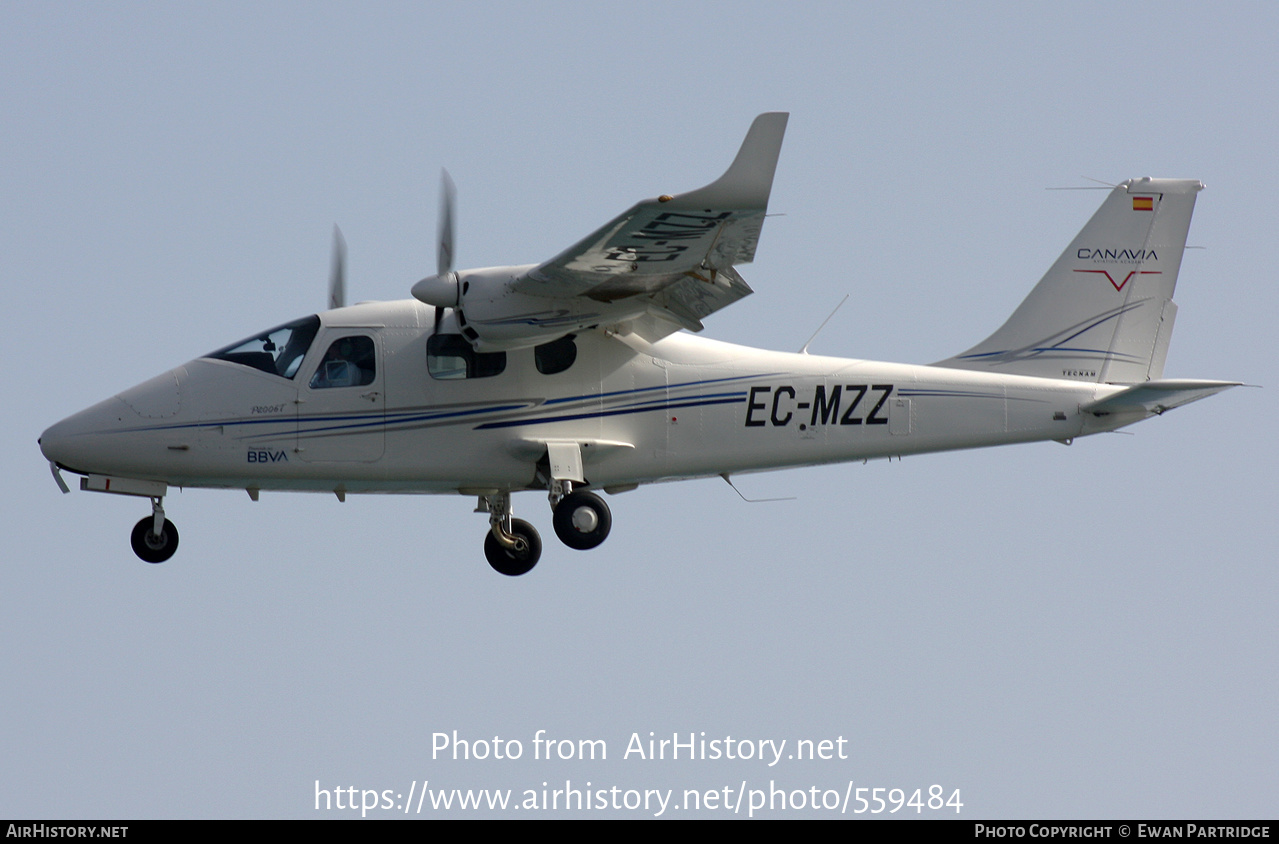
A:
1154	397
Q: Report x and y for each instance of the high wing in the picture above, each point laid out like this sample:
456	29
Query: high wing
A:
682	242
663	265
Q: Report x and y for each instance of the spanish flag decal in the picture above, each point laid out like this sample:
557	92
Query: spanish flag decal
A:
1143	203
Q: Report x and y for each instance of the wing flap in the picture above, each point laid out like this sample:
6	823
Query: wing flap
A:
698	295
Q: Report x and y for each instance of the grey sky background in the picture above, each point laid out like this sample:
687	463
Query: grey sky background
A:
1057	632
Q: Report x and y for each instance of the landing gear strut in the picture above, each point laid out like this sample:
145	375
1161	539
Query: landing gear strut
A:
155	538
512	546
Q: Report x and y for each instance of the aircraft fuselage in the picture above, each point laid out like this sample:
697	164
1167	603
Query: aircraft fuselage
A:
678	408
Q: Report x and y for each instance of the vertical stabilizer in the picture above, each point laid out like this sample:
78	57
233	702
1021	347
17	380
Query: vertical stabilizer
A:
1104	312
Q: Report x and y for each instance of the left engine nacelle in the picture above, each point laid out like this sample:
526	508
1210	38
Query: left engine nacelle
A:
494	317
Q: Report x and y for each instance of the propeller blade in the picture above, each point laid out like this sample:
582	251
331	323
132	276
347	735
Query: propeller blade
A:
444	243
337	274
441	290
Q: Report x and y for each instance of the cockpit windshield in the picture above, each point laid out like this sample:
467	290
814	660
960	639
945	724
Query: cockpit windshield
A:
278	351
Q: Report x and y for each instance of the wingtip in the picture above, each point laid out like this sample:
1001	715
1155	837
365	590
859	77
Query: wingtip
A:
748	181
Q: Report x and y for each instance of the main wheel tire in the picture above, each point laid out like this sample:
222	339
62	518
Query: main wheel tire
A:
151	548
514	563
582	520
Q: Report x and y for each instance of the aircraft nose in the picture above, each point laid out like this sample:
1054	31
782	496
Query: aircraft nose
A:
98	440
80	441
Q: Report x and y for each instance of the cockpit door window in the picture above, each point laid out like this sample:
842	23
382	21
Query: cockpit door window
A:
349	362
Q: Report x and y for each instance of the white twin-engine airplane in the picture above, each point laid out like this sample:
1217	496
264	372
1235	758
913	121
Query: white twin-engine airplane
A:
572	375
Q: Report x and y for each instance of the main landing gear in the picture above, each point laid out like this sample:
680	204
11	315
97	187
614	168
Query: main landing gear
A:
512	546
155	538
582	520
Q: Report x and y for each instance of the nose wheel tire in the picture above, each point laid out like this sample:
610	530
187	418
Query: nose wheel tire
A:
513	562
150	547
582	520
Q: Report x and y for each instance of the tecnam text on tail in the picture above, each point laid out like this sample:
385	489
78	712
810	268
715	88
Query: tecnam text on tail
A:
579	374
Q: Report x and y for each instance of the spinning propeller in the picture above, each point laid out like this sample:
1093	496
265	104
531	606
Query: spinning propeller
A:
441	290
337	272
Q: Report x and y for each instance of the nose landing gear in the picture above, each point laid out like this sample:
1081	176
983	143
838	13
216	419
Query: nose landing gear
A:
155	538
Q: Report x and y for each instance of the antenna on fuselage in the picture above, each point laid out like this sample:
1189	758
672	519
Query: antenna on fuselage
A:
729	481
1099	186
804	350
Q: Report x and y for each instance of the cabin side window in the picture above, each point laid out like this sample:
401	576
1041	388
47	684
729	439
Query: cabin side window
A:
555	356
450	357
